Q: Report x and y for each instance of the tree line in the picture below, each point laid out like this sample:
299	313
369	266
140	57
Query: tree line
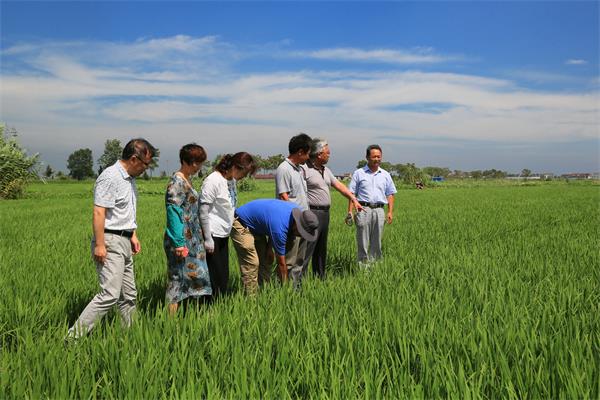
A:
81	166
410	173
81	162
17	168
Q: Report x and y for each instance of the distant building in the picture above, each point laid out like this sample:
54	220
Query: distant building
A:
264	176
533	177
525	178
577	175
343	177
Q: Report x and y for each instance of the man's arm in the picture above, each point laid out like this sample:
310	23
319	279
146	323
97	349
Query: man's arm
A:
283	184
353	189
390	212
282	266
98	218
350	206
352	202
273	244
136	246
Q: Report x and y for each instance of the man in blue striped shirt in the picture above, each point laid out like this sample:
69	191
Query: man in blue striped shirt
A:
374	189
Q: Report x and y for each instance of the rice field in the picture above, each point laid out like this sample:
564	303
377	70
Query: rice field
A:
487	291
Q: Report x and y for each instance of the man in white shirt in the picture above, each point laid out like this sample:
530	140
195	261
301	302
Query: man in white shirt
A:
291	186
115	240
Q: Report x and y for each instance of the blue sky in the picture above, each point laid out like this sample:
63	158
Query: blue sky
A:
464	85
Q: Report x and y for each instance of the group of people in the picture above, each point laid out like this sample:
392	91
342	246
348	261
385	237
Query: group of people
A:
290	229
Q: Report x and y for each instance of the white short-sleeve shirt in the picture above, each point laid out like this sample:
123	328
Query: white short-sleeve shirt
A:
220	194
289	179
115	190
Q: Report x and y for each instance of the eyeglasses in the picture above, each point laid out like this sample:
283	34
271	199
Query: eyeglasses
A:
146	164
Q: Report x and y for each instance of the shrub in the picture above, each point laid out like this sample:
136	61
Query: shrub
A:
16	168
247	185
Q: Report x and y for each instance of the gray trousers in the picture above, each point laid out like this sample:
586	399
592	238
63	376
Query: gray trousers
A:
369	231
317	250
117	286
294	258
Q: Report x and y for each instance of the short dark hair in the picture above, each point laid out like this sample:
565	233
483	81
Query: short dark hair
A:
138	147
372	147
242	160
192	152
299	142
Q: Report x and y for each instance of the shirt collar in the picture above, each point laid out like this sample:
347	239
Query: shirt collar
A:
310	164
296	167
122	170
368	170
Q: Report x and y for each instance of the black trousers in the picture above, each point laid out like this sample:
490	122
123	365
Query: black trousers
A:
218	266
317	250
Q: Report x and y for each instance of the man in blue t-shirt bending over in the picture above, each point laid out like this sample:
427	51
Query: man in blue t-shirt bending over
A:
262	226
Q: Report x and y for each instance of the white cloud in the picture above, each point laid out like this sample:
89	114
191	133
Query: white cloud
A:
418	56
179	57
100	90
574	61
544	77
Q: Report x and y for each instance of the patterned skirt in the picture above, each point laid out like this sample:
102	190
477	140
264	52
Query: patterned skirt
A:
186	276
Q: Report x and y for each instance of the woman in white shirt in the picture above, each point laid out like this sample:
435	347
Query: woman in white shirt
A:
218	199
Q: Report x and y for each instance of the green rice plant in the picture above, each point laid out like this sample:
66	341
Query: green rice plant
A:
484	292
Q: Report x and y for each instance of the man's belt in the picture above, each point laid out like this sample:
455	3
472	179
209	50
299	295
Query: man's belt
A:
127	234
371	205
320	208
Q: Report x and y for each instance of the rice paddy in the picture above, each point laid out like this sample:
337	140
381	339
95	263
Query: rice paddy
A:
485	291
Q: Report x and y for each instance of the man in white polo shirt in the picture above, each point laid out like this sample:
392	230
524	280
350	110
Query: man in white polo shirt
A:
374	189
115	240
291	186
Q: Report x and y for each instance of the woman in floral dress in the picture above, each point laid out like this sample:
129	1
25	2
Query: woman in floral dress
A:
188	275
